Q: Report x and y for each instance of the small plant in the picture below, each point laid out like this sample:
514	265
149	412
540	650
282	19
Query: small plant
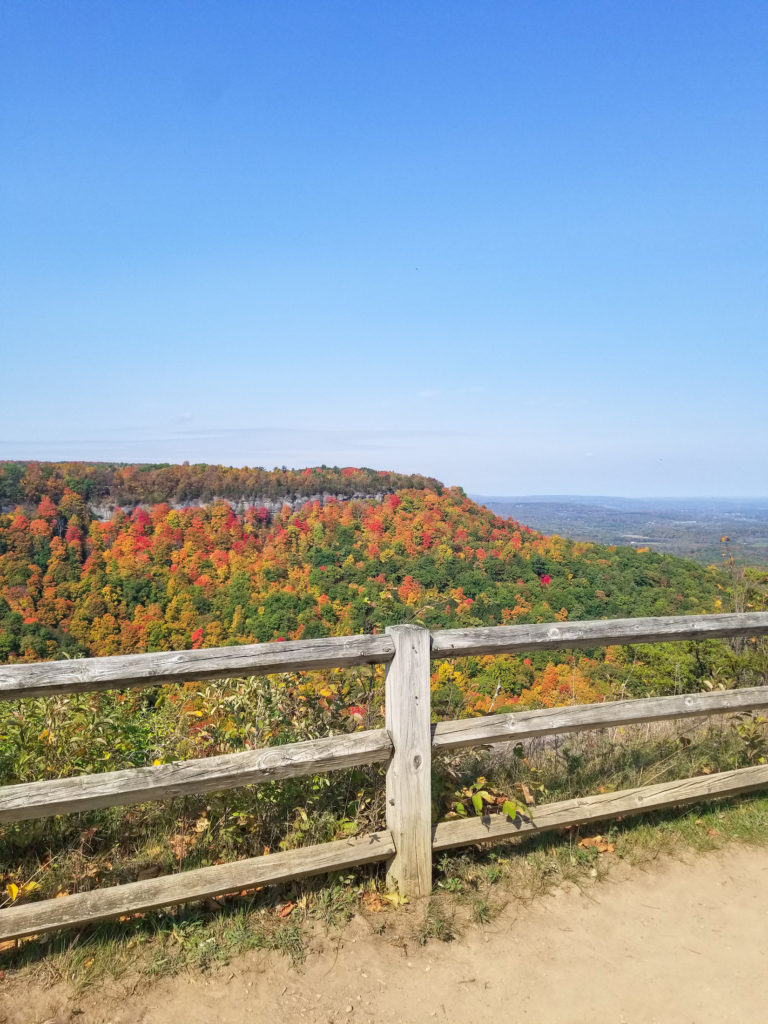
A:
436	924
751	731
452	884
493	873
482	799
481	911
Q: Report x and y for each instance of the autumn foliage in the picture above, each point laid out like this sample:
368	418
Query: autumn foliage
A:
120	484
161	578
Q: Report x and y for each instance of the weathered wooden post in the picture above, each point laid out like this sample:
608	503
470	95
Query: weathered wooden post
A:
409	774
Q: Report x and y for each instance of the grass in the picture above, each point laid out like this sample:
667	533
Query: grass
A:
196	937
470	886
522	871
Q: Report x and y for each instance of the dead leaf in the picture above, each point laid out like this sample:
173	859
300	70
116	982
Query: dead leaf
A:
713	831
395	898
373	902
251	892
600	843
180	843
7	945
527	795
286	909
588	841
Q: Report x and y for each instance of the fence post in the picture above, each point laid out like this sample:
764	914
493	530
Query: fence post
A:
409	773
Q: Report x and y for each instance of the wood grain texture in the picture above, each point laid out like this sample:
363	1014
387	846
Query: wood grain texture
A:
454	643
409	773
526	725
123	670
583	810
85	908
204	775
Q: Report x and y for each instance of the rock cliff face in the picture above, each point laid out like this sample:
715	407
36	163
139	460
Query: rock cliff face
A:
105	511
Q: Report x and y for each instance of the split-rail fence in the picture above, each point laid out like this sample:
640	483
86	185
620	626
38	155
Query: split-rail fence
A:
406	744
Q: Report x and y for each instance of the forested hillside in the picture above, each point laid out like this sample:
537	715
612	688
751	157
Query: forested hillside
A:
164	578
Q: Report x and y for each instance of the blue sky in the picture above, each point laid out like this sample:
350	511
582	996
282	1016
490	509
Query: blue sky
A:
521	246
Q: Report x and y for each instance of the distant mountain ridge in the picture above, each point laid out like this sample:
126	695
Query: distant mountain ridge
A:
616	501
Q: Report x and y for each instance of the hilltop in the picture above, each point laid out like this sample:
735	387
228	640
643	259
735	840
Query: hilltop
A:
106	486
163	577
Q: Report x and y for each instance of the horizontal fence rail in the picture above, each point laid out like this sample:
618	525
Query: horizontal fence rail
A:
528	725
588	809
122	670
202	775
118	671
549	636
134	897
407	745
31	800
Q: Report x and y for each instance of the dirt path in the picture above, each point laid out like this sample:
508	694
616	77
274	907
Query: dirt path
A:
685	942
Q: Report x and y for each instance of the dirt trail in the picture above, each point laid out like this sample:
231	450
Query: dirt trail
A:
685	942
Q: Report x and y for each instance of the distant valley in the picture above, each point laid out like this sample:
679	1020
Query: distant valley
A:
688	527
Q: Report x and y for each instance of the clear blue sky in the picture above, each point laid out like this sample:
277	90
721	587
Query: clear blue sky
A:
521	246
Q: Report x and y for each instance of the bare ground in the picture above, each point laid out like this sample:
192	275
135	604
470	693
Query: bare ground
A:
683	942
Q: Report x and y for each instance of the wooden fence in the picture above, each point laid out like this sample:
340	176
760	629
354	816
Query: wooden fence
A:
406	744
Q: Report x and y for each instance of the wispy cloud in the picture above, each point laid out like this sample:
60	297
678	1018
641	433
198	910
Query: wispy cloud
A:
270	445
452	392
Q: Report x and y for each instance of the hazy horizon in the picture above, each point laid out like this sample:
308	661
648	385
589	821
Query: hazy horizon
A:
618	497
472	493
